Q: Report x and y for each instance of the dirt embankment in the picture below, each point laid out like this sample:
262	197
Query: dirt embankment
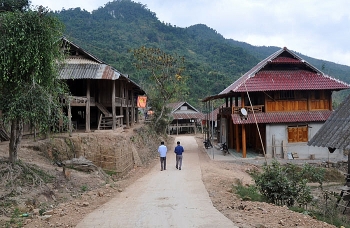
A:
72	192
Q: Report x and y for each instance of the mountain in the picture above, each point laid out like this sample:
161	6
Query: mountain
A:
212	62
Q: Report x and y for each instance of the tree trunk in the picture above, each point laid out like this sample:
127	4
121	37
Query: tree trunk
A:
15	139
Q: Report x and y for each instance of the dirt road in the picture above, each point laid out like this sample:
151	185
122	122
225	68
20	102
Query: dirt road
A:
170	198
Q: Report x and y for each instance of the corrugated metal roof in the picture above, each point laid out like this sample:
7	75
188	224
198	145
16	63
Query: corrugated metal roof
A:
283	117
87	66
335	132
88	71
197	115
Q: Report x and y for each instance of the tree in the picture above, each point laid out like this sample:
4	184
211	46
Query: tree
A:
166	80
29	87
13	5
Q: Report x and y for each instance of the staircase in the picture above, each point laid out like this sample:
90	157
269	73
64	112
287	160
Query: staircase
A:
106	119
103	110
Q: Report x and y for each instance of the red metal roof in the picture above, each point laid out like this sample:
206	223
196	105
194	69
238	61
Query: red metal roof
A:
282	59
283	117
273	80
268	76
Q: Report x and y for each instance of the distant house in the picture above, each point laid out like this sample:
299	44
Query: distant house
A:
101	97
335	132
185	117
276	107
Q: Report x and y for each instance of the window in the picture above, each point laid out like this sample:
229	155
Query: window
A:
286	95
183	108
298	134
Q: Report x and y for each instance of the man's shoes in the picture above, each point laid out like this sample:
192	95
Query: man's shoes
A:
176	167
180	168
161	170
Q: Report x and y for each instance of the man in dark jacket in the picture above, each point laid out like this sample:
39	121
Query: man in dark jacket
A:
178	151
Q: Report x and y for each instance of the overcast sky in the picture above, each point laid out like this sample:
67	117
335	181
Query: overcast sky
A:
316	28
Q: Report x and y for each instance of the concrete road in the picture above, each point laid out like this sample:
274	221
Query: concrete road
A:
170	198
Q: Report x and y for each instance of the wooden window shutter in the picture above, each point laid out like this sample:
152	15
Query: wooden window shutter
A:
292	134
303	134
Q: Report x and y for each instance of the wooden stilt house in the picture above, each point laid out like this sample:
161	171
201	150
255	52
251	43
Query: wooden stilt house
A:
276	107
101	97
186	118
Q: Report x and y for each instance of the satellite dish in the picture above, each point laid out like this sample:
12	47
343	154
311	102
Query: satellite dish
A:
244	112
331	150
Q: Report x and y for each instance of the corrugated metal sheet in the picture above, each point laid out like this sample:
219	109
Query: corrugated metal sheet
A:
335	132
283	117
198	115
88	71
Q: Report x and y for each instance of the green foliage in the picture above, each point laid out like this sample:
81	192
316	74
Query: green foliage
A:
15	220
29	87
166	77
84	188
286	185
13	5
250	193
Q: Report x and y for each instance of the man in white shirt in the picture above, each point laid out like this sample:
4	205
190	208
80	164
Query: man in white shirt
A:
162	149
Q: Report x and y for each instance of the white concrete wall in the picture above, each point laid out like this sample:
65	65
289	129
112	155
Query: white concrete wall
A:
304	151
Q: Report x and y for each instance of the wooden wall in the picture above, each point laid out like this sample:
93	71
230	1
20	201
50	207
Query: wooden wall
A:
302	101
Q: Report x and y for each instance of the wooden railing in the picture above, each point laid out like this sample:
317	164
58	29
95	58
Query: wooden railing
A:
123	102
82	100
235	110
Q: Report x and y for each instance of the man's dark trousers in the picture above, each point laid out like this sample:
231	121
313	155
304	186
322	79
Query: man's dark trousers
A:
162	163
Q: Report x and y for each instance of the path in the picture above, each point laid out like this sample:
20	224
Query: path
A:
170	198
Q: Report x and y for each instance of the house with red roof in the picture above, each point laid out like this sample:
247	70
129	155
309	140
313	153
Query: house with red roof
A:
277	107
185	118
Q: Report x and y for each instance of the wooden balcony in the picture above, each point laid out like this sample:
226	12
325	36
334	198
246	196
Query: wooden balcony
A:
236	110
82	100
122	102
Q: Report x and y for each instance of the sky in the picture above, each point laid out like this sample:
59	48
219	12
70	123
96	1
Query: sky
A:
317	28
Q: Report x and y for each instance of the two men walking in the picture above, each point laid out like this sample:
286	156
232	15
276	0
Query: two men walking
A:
162	150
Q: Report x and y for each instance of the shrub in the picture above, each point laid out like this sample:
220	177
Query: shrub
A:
286	185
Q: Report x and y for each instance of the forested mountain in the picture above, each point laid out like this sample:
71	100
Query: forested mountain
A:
212	62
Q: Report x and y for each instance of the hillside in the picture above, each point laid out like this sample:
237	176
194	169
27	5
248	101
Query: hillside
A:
212	62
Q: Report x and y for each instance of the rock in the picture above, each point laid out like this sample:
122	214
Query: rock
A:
45	217
36	211
85	204
27	221
281	222
49	212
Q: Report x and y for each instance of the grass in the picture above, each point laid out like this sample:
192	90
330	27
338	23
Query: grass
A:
333	175
249	193
84	188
